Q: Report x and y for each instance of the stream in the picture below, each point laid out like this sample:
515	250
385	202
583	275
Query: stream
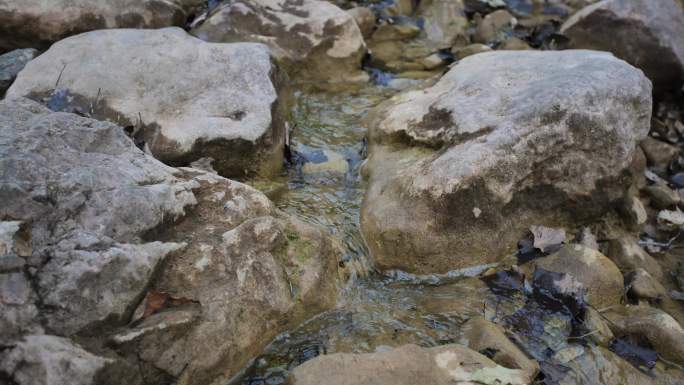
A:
375	311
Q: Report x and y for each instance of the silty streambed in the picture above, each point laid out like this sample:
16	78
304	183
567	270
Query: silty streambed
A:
377	311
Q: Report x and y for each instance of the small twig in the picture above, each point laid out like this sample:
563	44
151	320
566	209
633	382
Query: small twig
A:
60	76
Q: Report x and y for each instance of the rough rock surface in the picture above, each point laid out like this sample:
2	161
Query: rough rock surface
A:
50	360
87	220
597	273
314	39
11	64
407	365
39	23
503	141
648	34
247	274
182	98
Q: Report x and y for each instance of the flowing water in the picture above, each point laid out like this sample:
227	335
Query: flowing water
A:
374	311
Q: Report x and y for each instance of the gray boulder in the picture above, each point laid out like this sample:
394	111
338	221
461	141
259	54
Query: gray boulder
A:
93	218
181	98
11	64
505	140
648	34
314	39
39	23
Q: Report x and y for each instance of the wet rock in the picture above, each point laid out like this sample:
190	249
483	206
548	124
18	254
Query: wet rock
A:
596	329
648	34
598	274
444	22
658	153
314	39
472	49
659	329
662	196
626	253
364	18
433	61
407	365
485	336
11	64
642	285
39	23
222	101
49	360
490	28
446	163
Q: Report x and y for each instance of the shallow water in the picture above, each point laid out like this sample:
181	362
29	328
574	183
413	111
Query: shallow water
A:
374	311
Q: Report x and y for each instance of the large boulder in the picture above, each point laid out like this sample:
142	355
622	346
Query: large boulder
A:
39	23
407	365
505	140
314	39
181	98
648	34
184	273
444	22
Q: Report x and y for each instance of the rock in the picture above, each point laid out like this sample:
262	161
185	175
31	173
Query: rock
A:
626	253
662	331
445	24
648	34
400	8
588	239
490	28
364	18
314	39
11	64
440	156
482	335
433	61
85	192
50	360
662	196
252	271
596	328
406	365
514	44
597	273
39	23
633	211
642	285
102	215
670	220
472	49
598	365
658	153
223	101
